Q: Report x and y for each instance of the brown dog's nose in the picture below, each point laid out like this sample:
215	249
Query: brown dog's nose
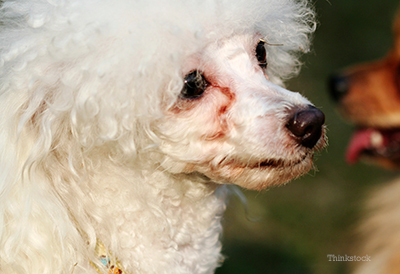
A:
338	86
306	126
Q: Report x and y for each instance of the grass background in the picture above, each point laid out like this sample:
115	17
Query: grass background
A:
299	224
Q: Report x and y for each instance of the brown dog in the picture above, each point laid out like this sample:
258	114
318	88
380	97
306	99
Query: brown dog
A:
369	96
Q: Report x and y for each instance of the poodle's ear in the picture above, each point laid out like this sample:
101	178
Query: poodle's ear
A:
32	216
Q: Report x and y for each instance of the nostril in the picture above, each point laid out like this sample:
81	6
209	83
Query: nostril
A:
338	86
306	126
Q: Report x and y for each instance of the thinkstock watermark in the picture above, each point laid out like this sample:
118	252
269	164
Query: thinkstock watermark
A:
346	258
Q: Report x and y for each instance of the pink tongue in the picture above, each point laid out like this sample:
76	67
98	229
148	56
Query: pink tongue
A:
360	141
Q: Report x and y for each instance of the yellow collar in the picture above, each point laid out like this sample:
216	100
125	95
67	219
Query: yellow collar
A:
107	260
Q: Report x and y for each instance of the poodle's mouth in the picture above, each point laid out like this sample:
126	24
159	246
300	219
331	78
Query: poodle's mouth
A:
278	163
258	175
270	163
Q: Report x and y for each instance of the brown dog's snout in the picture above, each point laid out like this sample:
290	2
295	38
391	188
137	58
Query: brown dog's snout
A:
338	86
306	125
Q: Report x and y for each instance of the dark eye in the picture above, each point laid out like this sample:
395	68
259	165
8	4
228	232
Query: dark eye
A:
194	85
261	55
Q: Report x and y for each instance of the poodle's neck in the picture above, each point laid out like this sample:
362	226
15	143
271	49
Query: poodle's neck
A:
155	220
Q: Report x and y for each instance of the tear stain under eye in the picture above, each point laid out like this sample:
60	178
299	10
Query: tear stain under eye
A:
231	99
184	105
223	124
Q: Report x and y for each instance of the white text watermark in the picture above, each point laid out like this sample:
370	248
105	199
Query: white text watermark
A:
346	258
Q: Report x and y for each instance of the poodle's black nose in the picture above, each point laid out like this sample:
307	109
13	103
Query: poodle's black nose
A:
338	86
306	125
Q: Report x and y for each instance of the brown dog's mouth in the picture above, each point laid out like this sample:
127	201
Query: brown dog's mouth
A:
374	142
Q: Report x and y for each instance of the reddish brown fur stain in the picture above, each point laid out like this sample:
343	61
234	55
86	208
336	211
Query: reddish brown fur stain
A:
220	115
185	106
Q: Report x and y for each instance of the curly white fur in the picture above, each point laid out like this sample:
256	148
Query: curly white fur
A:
96	144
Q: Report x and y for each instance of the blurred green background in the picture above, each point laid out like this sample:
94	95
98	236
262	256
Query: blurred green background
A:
292	229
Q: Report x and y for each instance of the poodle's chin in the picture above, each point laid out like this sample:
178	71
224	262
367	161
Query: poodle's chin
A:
256	176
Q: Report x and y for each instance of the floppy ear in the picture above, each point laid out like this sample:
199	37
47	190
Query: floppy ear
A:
33	219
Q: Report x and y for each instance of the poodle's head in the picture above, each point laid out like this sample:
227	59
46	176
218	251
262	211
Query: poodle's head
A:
230	123
184	86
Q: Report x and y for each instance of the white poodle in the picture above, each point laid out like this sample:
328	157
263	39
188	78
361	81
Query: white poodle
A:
120	120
